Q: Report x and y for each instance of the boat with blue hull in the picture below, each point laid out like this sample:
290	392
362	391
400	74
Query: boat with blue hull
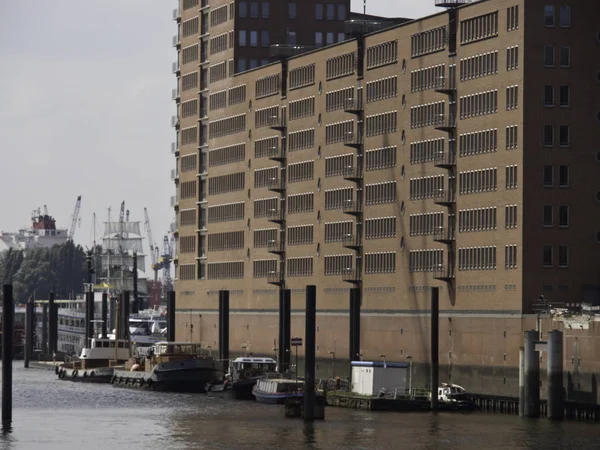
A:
277	390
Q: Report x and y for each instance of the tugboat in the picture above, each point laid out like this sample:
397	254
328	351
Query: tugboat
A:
452	397
172	367
277	390
94	364
242	377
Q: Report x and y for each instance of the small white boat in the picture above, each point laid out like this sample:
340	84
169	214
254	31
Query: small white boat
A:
277	390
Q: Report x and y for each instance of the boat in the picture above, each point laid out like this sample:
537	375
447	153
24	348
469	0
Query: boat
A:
277	390
243	375
173	367
453	397
42	233
96	363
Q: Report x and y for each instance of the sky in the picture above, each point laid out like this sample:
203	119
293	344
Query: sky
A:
85	108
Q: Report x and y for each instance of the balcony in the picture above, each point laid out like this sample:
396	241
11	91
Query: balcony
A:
275	247
203	112
175	121
176	41
202	256
174	201
352	207
175	148
175	94
351	275
444	235
274	278
352	242
275	184
176	14
273	215
445	122
351	173
202	227
174	175
443	273
176	68
445	85
352	139
204	58
204	4
173	227
277	122
276	153
202	200
353	105
444	197
445	160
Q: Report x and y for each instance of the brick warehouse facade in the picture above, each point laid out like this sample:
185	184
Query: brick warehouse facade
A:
457	150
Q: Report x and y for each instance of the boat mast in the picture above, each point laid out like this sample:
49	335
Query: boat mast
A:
108	253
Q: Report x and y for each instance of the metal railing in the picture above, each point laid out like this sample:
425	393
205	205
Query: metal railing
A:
277	121
353	104
351	206
350	172
443	272
176	40
352	138
445	121
350	274
444	158
273	277
176	14
350	240
174	174
442	196
445	83
274	183
173	227
445	234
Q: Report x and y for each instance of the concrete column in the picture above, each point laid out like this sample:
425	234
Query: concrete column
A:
531	376
309	353
521	382
53	325
556	408
45	329
435	342
171	316
224	329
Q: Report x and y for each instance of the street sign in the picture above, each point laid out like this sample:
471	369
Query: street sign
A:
296	342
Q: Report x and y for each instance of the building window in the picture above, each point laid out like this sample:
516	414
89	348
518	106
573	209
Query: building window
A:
319	11
341	37
253	38
549	15
548	176
547	256
548	216
563	256
548	135
241	65
565	95
564	136
563	216
330	11
565	16
549	95
266	10
243	9
264	38
242	41
330	38
549	55
292	10
318	39
254	10
563	176
565	56
341	12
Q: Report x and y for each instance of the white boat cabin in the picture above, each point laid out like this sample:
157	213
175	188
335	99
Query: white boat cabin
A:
176	348
279	386
249	366
449	392
105	349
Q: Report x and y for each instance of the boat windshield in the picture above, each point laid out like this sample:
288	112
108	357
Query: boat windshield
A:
176	349
254	367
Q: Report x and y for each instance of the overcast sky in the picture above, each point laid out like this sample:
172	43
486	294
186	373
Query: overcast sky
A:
85	107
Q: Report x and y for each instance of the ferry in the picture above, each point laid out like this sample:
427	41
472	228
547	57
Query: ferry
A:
277	390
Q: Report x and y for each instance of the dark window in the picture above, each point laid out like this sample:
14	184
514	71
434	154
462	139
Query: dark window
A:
549	95
291	37
563	216
292	10
330	11
266	10
563	256
253	38
565	56
243	9
563	176
330	39
549	55
341	10
264	38
318	39
254	10
319	11
549	14
547	256
548	176
565	16
242	41
548	135
241	65
564	136
565	95
548	215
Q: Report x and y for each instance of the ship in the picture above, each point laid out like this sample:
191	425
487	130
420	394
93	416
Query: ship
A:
42	233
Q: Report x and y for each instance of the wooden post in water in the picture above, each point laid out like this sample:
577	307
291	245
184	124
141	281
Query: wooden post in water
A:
354	328
29	322
531	376
53	326
435	342
521	382
284	350
223	328
309	353
45	329
8	334
556	406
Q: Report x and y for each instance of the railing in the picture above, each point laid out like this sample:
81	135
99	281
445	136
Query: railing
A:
351	206
273	277
173	227
277	121
202	225
275	152
351	241
352	138
442	159
175	121
204	4
445	121
287	51
350	274
350	172
443	272
175	93
176	40
273	213
353	104
202	198
274	245
203	112
445	84
444	196
443	234
176	67
274	183
452	3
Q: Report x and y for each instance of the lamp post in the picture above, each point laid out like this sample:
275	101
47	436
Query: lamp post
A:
409	375
332	364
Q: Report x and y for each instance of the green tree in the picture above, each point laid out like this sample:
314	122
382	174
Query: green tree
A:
10	263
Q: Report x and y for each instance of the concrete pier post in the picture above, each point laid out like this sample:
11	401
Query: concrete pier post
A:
113	313
521	382
171	316
224	328
45	329
556	406
309	353
104	315
125	310
135	306
354	338
287	329
531	376
435	342
8	334
28	350
53	325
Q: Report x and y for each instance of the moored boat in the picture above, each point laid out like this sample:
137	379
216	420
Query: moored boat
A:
277	390
454	397
243	375
173	367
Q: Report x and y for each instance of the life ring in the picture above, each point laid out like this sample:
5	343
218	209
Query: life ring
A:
247	374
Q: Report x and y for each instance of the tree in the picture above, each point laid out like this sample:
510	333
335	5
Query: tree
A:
10	263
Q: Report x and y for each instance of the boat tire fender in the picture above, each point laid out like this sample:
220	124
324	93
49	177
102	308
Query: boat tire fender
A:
149	383
74	374
56	371
120	380
247	374
112	379
85	374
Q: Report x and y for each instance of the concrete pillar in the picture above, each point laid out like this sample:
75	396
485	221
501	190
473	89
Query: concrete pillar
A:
435	342
45	329
531	376
224	329
53	325
556	407
309	353
521	382
171	316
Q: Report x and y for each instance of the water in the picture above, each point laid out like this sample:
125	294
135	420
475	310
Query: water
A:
52	414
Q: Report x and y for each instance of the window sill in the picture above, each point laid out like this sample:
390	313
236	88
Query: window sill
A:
547	105
548	226
546	266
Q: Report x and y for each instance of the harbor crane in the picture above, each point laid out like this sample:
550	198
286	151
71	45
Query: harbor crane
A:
74	219
165	262
153	247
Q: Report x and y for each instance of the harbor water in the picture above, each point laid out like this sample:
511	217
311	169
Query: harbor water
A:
53	414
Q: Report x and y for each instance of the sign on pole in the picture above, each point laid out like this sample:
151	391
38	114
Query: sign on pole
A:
296	342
